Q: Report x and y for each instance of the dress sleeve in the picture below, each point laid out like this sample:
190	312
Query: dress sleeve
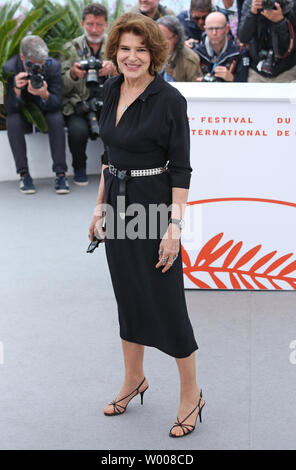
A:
179	143
106	85
105	156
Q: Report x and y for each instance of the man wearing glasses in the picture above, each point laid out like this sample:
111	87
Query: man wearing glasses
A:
221	59
193	20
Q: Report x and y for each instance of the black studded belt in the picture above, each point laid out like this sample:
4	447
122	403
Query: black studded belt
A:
125	175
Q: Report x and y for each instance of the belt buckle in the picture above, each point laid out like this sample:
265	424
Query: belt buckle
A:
121	174
112	169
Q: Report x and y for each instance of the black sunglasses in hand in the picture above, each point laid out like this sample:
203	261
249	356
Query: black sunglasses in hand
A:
94	244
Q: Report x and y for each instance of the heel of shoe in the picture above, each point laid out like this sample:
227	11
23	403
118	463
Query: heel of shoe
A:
200	410
142	395
199	414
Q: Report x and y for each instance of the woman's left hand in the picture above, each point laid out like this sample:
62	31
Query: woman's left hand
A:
169	248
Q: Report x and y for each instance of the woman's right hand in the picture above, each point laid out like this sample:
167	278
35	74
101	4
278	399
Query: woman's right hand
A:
96	225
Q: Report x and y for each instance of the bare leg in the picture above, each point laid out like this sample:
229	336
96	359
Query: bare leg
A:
189	391
133	355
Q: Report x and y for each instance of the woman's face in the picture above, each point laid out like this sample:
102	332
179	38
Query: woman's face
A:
133	57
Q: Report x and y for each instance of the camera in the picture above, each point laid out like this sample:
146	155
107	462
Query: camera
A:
266	61
35	74
268	4
92	107
91	65
209	78
193	43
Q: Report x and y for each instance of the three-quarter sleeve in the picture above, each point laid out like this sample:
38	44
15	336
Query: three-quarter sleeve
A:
103	115
179	143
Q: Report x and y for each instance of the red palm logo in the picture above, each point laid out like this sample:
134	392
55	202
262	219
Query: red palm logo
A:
235	261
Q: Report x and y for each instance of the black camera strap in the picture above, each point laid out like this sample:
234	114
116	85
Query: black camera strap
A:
85	48
234	63
291	43
161	11
81	52
78	50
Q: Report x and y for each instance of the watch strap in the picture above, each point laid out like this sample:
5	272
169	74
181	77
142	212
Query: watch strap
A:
178	222
17	87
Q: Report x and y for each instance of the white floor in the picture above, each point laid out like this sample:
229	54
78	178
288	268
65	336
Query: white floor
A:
61	352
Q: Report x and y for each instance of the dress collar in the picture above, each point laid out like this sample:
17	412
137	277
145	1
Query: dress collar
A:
154	87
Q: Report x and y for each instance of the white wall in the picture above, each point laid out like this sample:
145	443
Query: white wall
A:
39	158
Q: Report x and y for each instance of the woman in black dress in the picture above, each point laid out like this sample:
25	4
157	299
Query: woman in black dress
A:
145	130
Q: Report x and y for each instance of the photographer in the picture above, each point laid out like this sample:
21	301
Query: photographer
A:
183	64
193	20
84	72
221	59
268	28
33	77
151	8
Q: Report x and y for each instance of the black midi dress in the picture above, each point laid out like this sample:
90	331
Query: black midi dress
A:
153	130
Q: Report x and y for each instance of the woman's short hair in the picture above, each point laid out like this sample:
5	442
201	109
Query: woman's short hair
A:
143	26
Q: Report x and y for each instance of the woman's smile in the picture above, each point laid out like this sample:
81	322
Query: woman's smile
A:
133	57
132	66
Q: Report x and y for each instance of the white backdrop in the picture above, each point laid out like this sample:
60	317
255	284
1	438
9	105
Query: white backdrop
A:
241	217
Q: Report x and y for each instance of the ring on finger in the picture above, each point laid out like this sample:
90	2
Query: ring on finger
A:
160	252
164	260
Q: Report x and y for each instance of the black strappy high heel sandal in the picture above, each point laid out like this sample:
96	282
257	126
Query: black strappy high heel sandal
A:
116	410
186	427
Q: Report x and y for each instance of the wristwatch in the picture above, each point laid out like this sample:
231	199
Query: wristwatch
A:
179	222
17	87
